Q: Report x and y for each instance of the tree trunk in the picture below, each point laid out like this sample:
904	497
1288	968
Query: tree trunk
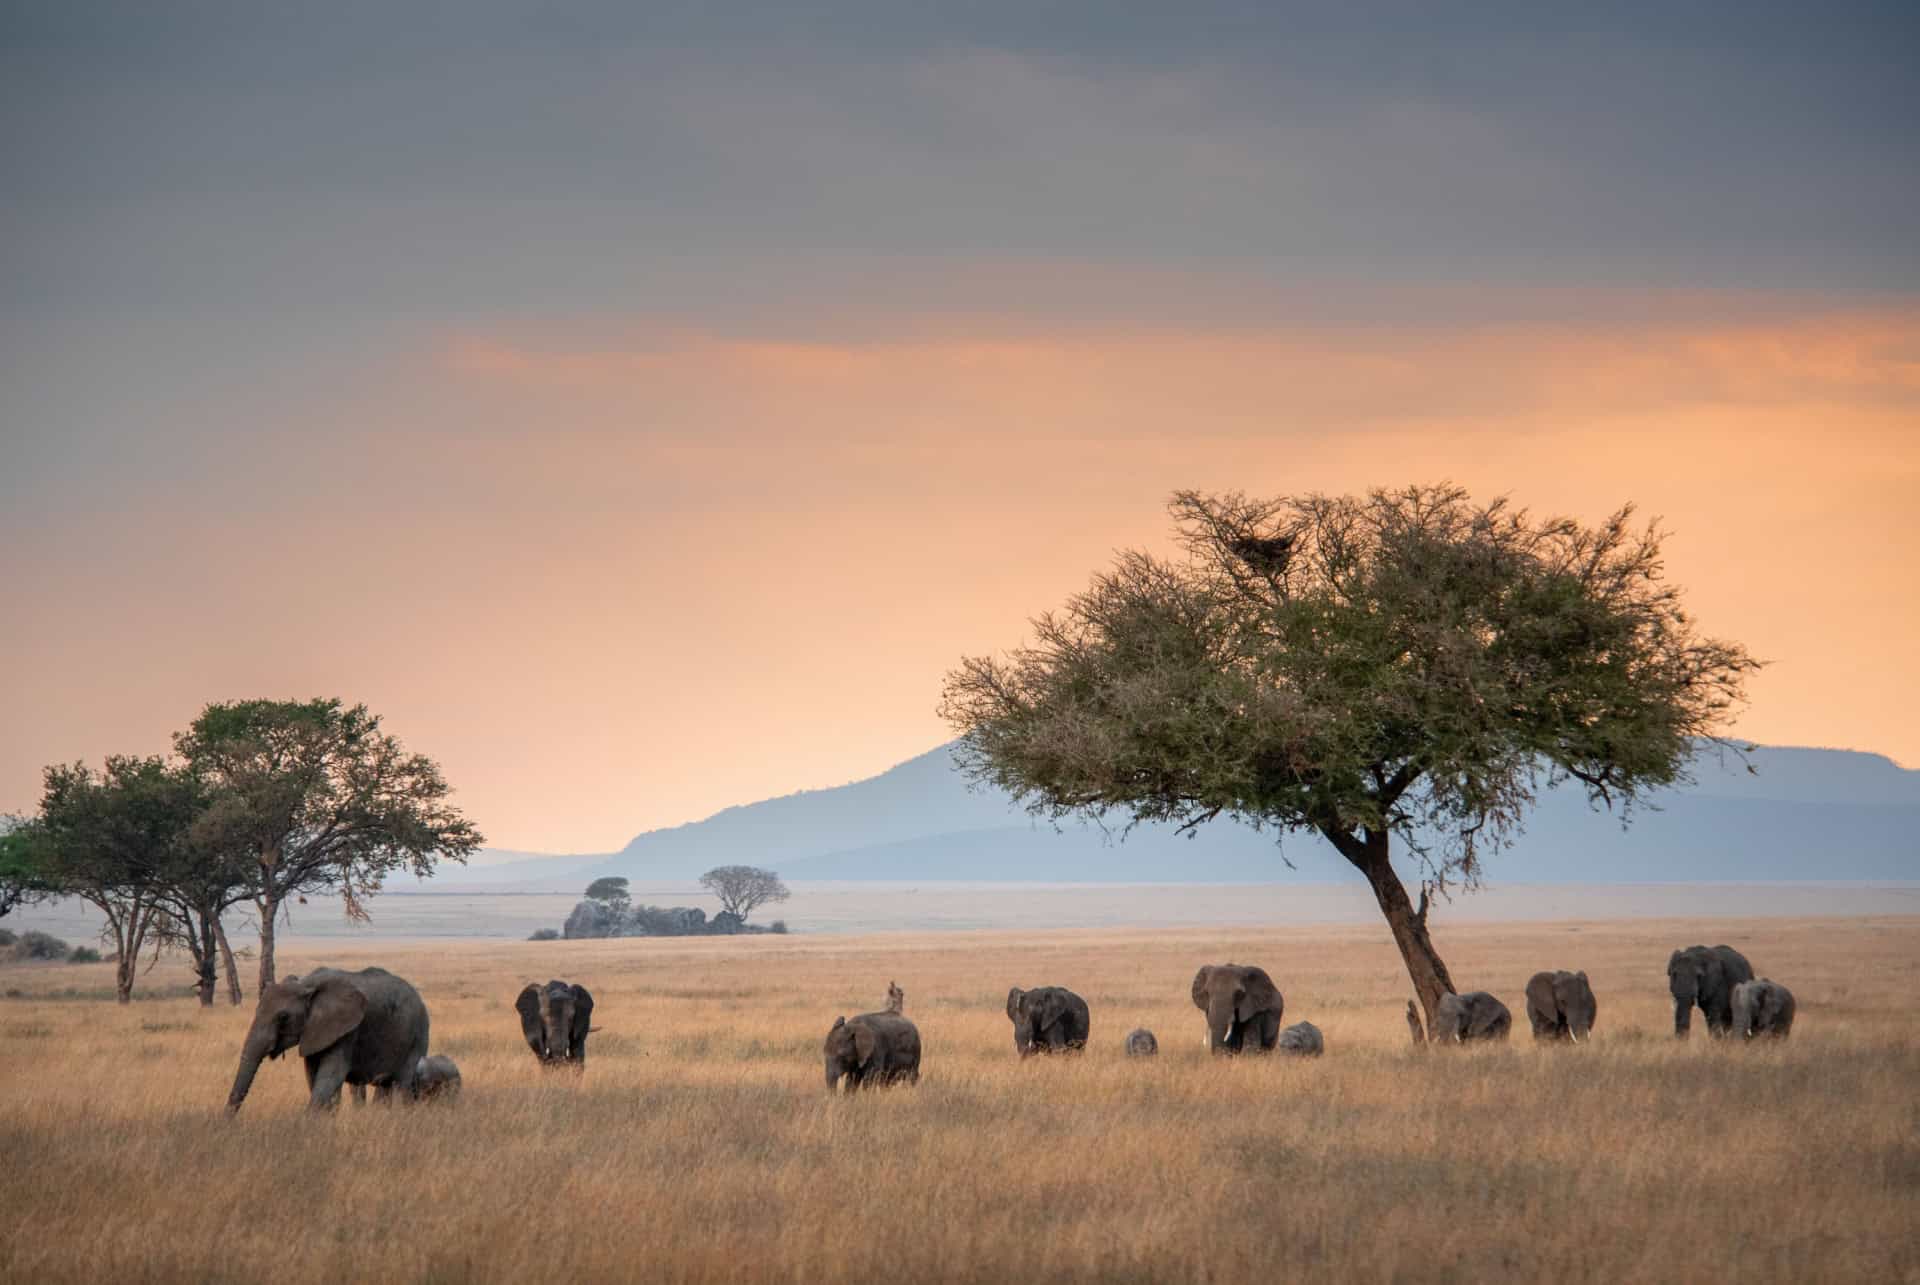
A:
226	956
269	907
1369	852
204	958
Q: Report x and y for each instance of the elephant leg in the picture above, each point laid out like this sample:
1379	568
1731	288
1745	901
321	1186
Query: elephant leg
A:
326	1073
1267	1030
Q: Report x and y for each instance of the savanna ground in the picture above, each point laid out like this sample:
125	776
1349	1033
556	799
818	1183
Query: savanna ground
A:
701	1145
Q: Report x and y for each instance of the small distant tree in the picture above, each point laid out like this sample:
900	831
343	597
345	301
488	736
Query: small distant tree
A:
320	800
611	892
1402	667
741	889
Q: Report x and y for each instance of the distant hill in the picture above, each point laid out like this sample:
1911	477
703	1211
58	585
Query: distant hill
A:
1804	814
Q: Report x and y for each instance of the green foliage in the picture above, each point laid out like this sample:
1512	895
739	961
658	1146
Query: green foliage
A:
22	882
742	888
544	934
121	832
1408	662
83	955
320	799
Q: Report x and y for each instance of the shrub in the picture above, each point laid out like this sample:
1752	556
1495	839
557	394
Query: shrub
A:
83	955
6	937
778	926
544	934
39	945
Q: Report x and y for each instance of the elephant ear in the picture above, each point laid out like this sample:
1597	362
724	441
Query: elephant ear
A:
1200	986
529	1006
1673	962
1053	1009
336	1009
866	1043
582	1020
1261	994
1014	997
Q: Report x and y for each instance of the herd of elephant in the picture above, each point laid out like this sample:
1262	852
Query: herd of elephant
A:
369	1028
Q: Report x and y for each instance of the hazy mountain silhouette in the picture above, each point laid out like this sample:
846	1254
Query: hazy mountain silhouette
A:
1804	814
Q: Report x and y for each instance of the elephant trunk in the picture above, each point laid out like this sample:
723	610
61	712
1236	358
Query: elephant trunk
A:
259	1044
833	1076
1682	1015
1220	1023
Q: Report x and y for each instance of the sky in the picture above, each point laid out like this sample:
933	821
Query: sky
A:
642	408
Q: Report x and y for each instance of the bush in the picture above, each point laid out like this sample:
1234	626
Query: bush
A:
6	937
544	934
778	926
83	955
38	945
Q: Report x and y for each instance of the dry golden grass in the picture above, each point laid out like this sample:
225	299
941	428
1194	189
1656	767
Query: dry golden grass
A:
701	1144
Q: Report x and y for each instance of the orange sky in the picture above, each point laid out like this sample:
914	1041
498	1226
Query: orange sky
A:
617	576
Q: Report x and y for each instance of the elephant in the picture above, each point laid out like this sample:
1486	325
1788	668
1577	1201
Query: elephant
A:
1140	1043
1047	1019
1302	1039
556	1019
1762	1007
1560	1006
872	1050
357	1029
436	1078
1475	1015
1705	975
1242	1005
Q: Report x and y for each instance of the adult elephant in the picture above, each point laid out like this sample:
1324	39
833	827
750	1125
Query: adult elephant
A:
556	1019
1705	975
1475	1015
357	1029
1242	1005
1048	1019
1560	1006
872	1050
1762	1007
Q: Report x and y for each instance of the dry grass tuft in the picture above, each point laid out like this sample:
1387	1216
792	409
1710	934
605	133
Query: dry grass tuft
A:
701	1146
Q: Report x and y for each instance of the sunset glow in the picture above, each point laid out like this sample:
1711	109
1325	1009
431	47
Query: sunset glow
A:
678	478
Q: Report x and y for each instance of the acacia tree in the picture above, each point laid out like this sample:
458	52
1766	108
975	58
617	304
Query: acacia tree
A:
1406	665
321	801
743	889
611	892
114	839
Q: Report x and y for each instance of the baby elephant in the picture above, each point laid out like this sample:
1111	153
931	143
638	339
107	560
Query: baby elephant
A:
1560	1005
1762	1007
1140	1043
1302	1039
1475	1015
436	1079
1047	1019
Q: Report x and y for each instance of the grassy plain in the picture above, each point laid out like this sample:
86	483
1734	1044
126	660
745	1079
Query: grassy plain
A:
701	1145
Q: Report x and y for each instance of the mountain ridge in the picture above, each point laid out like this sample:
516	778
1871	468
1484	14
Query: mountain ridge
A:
1840	814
